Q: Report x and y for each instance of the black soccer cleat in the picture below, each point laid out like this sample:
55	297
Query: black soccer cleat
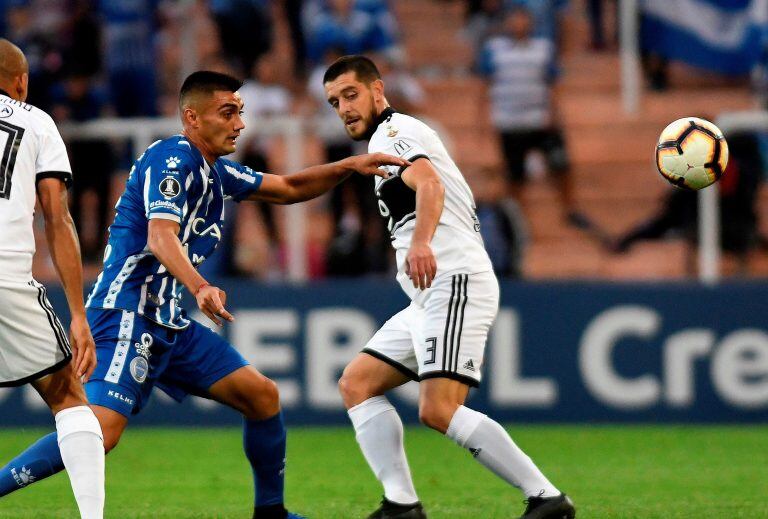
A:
558	507
390	510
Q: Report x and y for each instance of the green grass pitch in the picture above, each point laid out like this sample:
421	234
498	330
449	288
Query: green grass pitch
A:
611	472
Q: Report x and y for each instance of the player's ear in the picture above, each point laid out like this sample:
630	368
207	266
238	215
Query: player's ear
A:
378	88
22	86
190	117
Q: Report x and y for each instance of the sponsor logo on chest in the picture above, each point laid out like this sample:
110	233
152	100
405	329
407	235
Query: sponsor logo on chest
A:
199	227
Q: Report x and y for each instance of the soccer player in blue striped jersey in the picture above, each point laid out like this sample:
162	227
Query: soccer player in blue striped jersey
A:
168	221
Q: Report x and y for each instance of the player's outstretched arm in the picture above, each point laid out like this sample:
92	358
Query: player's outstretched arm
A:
420	263
61	235
163	241
316	180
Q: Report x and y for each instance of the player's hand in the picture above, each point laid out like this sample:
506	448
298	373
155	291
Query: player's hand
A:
370	164
420	265
211	301
83	347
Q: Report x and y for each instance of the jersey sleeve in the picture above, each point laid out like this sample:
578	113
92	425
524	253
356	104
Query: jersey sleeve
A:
52	161
405	142
166	180
239	181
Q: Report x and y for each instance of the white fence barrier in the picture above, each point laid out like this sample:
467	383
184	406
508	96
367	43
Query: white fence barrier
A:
144	131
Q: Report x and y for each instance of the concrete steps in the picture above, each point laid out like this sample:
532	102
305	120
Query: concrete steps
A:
612	153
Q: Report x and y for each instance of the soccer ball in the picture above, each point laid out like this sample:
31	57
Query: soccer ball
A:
692	153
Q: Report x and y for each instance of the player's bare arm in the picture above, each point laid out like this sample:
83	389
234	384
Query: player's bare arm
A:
316	180
422	177
62	240
163	241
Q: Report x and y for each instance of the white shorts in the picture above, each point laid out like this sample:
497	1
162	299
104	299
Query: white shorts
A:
442	333
32	340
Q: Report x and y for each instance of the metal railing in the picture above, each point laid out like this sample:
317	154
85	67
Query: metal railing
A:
144	131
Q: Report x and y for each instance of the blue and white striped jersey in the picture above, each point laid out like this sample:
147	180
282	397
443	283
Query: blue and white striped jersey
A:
171	180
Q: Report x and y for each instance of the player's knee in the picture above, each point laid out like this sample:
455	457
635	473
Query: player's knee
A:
436	415
264	402
353	390
271	394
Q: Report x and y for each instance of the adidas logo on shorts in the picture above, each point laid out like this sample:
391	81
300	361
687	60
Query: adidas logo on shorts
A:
469	365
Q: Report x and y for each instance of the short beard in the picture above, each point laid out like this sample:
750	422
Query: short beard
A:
369	130
362	137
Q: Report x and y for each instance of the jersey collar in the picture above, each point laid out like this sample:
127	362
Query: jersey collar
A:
383	117
3	92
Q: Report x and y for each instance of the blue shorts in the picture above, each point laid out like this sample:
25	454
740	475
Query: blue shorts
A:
134	354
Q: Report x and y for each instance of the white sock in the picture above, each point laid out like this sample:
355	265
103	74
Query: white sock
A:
490	444
379	432
82	449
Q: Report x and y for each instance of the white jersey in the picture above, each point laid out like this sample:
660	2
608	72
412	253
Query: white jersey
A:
31	149
457	244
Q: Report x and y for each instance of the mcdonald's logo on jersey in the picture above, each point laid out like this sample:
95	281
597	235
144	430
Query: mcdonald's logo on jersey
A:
401	147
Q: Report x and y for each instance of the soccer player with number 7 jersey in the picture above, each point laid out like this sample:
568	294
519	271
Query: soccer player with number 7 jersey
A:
34	348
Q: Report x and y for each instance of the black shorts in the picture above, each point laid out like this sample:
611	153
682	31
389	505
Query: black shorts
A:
516	144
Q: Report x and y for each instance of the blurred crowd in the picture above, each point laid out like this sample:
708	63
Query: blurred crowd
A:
125	58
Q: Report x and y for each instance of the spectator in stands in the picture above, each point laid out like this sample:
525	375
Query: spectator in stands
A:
264	96
83	36
521	73
548	17
596	11
129	29
77	99
38	39
739	188
482	20
246	30
353	26
502	223
655	66
404	92
293	10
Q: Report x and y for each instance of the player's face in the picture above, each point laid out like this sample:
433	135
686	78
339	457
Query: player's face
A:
220	122
354	102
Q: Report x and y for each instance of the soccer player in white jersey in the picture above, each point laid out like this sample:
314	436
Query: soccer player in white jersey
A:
439	339
33	345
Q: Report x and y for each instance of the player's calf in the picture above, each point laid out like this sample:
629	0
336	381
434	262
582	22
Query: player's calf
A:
439	398
249	392
112	425
264	435
437	415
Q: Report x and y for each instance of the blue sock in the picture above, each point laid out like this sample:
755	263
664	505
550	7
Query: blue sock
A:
40	460
264	443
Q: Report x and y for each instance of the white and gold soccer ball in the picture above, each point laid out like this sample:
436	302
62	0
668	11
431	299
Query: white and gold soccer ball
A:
692	153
